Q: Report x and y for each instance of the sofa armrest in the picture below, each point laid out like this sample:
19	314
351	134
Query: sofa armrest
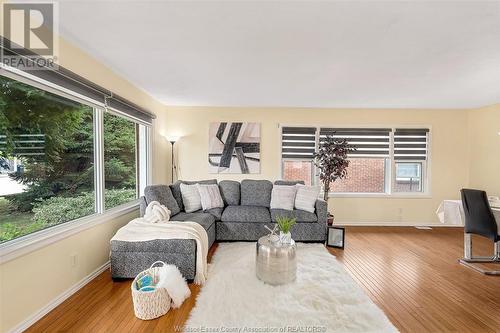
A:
322	211
142	206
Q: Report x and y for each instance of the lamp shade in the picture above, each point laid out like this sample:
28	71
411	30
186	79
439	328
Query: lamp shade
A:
172	138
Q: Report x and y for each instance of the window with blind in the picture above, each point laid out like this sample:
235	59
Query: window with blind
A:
298	147
386	160
410	157
369	163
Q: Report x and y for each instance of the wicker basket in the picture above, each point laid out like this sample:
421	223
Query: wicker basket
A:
150	304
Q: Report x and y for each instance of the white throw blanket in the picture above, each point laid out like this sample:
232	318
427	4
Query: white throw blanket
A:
139	230
156	213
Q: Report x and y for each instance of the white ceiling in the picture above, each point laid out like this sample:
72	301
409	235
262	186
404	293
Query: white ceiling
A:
371	54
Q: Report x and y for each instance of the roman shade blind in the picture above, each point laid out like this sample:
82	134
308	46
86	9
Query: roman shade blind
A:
369	142
78	85
298	142
411	144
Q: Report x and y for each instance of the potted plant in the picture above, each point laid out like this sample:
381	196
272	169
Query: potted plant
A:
332	162
285	224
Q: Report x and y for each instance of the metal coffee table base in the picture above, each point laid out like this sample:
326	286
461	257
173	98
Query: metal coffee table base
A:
275	264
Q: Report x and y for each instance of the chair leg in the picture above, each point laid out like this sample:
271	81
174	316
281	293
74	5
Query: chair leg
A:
469	259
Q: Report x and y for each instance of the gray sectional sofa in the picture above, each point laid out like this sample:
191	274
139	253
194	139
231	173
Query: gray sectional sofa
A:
245	213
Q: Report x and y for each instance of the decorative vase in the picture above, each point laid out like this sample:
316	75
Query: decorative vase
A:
285	237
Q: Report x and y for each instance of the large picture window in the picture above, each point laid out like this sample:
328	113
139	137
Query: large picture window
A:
386	160
50	161
120	146
366	175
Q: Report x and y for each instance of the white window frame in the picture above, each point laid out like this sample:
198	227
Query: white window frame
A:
22	245
390	164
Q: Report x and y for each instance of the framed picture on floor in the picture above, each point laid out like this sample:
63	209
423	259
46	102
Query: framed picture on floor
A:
335	237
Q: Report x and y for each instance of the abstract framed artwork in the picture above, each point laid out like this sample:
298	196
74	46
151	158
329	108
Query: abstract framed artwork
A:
234	148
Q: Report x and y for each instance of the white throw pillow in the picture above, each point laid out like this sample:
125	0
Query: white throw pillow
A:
306	197
190	197
283	197
210	196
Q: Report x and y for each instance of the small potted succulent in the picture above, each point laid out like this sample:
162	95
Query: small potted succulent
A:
285	224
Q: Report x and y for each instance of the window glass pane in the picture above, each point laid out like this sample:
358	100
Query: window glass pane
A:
408	177
298	170
143	158
119	160
46	159
364	175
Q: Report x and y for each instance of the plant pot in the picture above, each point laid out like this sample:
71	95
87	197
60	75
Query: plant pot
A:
330	219
285	238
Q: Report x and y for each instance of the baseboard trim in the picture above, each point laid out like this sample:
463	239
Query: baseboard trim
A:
396	224
24	325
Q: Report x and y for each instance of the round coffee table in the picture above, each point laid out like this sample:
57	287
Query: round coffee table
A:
275	263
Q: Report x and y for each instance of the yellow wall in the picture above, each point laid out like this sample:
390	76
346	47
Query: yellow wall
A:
30	282
79	62
449	172
484	149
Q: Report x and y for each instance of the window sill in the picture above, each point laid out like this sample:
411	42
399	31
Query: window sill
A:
29	243
381	195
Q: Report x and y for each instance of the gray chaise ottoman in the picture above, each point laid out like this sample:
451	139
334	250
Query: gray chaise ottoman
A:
130	258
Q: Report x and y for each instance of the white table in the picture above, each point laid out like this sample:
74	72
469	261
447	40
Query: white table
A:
452	212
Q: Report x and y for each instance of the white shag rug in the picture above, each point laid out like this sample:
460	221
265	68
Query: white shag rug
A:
324	298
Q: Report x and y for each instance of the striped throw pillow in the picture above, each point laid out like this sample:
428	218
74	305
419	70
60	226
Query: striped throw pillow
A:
283	197
306	197
190	197
210	196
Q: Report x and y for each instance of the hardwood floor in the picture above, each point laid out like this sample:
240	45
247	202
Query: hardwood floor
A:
411	274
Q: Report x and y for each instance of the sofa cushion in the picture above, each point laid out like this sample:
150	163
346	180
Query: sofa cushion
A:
246	214
230	192
301	232
215	212
163	195
206	220
289	182
299	215
256	192
176	189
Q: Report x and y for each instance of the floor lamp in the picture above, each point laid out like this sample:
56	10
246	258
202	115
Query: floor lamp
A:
173	139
